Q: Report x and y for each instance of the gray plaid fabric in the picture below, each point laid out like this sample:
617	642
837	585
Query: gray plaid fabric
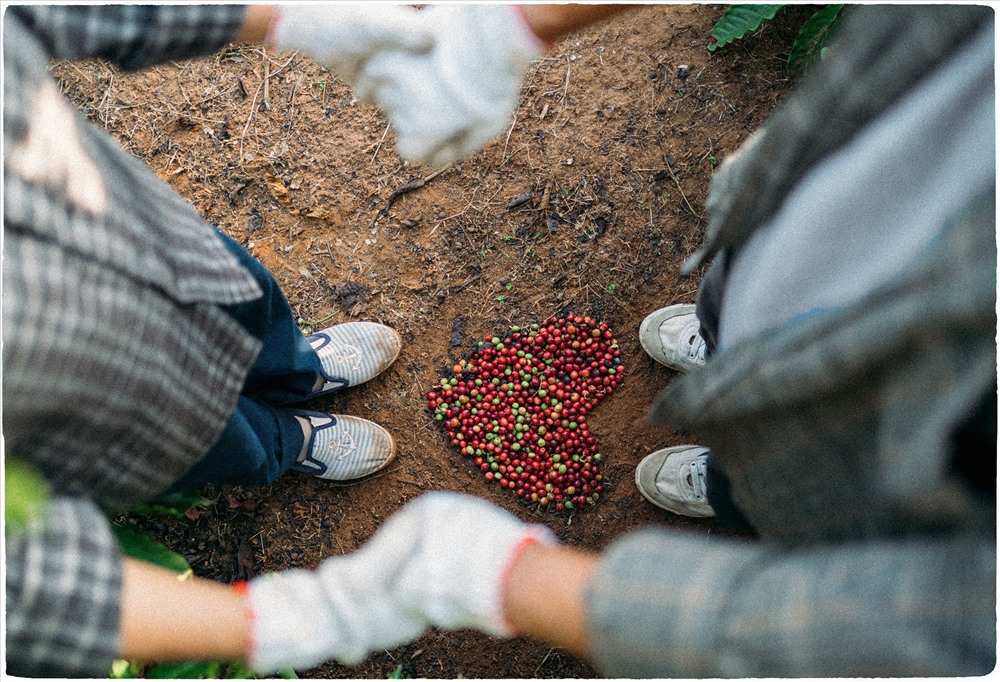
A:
675	605
119	368
62	595
838	436
882	54
132	36
841	426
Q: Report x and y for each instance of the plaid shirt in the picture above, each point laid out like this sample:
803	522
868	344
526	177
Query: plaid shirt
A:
839	433
120	369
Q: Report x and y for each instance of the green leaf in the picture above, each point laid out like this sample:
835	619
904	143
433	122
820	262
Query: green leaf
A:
123	670
238	671
813	35
191	670
25	492
174	504
142	546
739	20
287	674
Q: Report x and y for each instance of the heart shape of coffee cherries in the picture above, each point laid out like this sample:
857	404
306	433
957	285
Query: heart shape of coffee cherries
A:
517	408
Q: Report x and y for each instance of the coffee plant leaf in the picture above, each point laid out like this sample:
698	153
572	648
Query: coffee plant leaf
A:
25	491
813	35
739	20
174	504
142	546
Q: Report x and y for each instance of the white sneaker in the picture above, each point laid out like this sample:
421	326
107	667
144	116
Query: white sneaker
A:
674	479
353	353
341	447
672	337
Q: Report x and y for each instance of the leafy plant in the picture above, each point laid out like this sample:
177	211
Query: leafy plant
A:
813	34
174	504
739	20
139	545
25	493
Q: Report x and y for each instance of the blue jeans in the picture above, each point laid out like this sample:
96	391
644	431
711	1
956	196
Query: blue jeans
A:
708	308
262	440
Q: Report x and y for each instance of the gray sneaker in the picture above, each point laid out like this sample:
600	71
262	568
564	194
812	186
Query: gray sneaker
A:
672	337
674	479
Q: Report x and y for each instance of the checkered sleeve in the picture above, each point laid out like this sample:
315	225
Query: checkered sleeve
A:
132	36
63	584
673	604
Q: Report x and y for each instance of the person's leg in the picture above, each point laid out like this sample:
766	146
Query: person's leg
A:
719	496
258	445
708	307
686	480
291	367
708	303
261	442
673	478
683	336
287	369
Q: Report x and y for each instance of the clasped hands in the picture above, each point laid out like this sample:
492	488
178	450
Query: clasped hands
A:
448	77
440	561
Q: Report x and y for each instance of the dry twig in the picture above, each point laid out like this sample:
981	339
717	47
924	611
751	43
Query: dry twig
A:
683	196
260	88
379	145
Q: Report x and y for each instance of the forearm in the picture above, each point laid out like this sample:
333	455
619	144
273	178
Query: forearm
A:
256	22
552	22
549	22
544	594
164	618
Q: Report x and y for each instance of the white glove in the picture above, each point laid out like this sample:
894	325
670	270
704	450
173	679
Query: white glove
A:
342	610
442	560
452	553
450	103
343	37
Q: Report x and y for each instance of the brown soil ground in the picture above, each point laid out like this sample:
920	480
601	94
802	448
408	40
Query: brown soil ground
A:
615	151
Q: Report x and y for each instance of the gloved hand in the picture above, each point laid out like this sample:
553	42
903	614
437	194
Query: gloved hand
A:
343	610
449	103
451	555
442	560
343	37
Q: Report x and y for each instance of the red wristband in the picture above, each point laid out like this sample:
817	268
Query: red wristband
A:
242	588
272	26
532	538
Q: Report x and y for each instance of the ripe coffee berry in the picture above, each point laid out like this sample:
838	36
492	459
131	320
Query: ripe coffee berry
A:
517	408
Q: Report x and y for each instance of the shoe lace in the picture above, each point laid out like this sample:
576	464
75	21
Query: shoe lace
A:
699	470
697	349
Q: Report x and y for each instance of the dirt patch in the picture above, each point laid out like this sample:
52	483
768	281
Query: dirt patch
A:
590	202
